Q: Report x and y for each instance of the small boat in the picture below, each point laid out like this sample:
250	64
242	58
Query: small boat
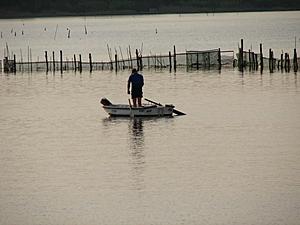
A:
154	109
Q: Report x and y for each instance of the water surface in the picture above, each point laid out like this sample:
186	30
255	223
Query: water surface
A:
233	159
150	34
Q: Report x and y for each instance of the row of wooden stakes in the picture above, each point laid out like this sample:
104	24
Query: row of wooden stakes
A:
250	59
10	65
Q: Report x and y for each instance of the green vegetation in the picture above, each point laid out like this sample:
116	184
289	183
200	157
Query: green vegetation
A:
33	8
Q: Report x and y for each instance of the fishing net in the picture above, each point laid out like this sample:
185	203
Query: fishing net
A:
190	59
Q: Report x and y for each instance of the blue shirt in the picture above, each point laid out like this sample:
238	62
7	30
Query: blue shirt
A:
136	80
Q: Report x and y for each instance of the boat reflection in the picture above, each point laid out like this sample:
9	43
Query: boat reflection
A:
137	128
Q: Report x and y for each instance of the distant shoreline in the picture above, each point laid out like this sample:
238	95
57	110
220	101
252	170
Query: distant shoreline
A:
28	15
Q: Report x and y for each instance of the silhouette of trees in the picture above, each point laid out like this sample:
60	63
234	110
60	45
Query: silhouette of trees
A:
73	7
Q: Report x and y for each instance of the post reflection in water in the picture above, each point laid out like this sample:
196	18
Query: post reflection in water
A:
137	152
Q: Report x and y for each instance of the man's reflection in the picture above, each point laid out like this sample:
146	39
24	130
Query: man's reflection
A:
136	145
137	152
137	134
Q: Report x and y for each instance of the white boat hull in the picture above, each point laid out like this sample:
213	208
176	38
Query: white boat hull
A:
149	110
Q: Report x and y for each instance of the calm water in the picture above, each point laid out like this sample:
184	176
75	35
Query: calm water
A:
276	30
233	159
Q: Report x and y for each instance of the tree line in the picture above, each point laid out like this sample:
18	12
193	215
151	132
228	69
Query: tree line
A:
19	8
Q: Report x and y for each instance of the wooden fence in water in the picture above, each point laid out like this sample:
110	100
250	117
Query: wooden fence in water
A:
214	58
207	59
255	61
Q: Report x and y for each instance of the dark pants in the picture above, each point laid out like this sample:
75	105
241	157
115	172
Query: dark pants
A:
137	93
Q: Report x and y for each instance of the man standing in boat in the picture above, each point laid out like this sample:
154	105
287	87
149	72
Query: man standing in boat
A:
137	82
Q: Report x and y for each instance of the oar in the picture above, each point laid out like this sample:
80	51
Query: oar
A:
174	110
130	106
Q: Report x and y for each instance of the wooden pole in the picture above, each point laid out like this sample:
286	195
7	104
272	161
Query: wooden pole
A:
46	57
137	59
80	63
295	61
61	61
170	61
273	60
285	62
175	61
141	61
91	64
261	57
116	62
5	64
75	66
289	62
253	60
14	66
270	60
281	61
256	62
239	58
242	55
53	58
249	58
219	59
